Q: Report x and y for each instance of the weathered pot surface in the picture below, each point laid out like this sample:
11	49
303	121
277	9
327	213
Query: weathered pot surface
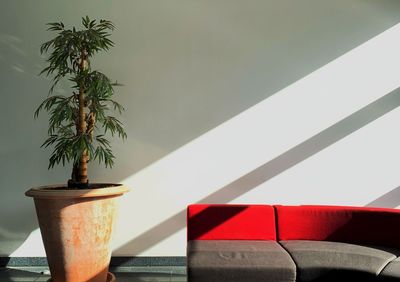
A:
76	227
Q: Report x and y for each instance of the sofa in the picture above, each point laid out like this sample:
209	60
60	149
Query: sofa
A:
277	243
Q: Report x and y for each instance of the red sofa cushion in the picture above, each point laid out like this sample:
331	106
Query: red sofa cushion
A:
230	222
339	223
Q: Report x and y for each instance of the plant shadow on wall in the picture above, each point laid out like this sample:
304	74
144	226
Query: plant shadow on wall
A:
202	72
389	200
19	61
273	168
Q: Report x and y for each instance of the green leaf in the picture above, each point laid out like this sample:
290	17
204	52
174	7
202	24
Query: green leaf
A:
65	53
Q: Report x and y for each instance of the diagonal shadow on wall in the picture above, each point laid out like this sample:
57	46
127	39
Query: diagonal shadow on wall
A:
272	168
389	200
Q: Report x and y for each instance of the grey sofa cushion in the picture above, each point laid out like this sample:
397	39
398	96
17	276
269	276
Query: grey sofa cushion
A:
335	261
391	272
238	261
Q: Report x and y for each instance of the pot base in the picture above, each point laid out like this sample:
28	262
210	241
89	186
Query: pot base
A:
110	278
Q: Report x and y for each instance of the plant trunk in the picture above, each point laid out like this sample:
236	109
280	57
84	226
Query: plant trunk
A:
82	171
79	171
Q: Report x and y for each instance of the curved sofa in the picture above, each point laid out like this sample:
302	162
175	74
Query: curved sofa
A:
251	243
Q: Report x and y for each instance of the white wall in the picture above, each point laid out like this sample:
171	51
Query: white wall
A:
290	102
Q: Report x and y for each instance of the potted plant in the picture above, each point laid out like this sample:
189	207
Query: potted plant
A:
76	218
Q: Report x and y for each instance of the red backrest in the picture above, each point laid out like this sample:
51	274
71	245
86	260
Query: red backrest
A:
339	223
230	222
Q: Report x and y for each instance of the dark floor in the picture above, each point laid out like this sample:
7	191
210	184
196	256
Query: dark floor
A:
132	274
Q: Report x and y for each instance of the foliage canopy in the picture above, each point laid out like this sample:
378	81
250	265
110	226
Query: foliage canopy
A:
79	122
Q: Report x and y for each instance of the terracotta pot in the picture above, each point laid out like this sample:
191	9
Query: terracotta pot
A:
76	229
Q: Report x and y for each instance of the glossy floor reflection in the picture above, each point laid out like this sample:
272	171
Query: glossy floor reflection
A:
174	274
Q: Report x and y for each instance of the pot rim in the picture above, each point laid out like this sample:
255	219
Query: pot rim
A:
54	191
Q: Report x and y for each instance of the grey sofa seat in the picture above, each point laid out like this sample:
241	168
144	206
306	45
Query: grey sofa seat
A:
336	261
238	261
